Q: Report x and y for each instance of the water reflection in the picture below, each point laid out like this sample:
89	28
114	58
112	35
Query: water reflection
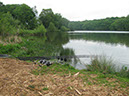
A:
112	38
70	56
52	45
37	45
57	38
115	46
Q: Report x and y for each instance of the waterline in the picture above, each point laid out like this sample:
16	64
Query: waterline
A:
78	31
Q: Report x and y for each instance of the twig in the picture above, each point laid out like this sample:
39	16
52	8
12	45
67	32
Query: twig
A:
77	91
76	74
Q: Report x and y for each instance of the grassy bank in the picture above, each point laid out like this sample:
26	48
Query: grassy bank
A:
28	46
90	77
33	43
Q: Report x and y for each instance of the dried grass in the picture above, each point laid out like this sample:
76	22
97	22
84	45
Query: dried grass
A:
10	40
16	78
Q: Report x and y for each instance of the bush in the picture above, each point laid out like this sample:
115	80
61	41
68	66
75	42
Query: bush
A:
40	30
5	49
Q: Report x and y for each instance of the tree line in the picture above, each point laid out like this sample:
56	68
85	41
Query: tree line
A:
107	24
22	19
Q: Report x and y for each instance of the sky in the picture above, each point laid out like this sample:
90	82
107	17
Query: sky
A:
79	10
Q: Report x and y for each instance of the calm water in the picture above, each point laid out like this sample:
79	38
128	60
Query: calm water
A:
112	44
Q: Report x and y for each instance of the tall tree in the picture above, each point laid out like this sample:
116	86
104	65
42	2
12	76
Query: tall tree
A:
46	16
26	15
8	25
23	13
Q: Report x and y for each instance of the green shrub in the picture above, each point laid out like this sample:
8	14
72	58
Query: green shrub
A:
40	30
5	49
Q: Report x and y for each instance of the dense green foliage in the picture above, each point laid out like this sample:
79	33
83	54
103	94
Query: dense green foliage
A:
9	48
51	27
121	24
8	25
39	31
47	16
23	13
20	19
113	23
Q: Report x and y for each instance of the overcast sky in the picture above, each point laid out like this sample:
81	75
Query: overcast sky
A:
78	10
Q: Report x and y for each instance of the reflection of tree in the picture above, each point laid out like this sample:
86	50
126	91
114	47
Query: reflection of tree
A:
39	46
105	37
54	43
67	52
57	38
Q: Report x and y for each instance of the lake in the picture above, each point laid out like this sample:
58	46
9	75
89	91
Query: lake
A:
112	44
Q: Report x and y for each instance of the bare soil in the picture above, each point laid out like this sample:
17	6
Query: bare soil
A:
16	79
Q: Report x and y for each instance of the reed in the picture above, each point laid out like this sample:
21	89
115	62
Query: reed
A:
106	66
101	64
